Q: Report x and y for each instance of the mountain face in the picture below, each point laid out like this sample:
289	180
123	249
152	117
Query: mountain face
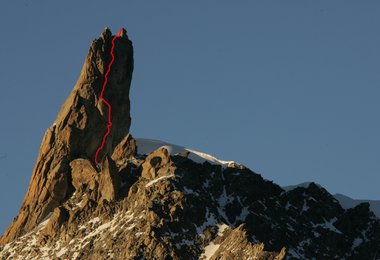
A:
154	200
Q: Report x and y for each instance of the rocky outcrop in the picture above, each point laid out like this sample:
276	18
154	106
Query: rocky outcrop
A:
125	150
157	164
59	216
163	206
109	181
78	130
235	244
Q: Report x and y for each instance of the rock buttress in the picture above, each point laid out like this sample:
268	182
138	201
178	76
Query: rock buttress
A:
78	130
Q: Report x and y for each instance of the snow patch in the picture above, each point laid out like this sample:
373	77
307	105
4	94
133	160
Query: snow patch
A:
221	228
97	231
209	251
158	179
75	255
210	221
206	184
184	242
305	207
61	252
190	191
328	225
357	242
223	200
94	220
243	215
44	222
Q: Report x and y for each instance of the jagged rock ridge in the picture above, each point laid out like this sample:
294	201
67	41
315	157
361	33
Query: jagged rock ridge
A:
78	130
161	205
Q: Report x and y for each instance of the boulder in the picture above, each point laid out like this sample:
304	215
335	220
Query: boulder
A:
83	175
157	164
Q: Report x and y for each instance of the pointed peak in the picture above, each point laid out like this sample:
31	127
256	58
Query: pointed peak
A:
123	33
106	33
83	119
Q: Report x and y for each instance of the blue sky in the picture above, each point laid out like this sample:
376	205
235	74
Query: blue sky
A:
288	88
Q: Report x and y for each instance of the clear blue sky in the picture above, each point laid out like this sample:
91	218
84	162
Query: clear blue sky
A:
288	88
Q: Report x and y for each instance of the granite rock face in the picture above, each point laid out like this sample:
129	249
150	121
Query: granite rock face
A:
78	130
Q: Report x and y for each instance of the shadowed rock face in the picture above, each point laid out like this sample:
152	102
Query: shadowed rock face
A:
78	130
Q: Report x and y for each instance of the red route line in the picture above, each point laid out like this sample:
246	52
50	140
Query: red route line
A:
105	101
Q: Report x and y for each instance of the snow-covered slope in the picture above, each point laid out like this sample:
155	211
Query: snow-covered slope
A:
146	146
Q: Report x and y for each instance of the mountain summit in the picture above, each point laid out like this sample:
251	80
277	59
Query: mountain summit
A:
154	200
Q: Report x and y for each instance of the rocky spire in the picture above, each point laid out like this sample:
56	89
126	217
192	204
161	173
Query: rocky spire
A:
78	130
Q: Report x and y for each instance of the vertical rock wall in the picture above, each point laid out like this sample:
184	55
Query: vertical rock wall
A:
78	130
